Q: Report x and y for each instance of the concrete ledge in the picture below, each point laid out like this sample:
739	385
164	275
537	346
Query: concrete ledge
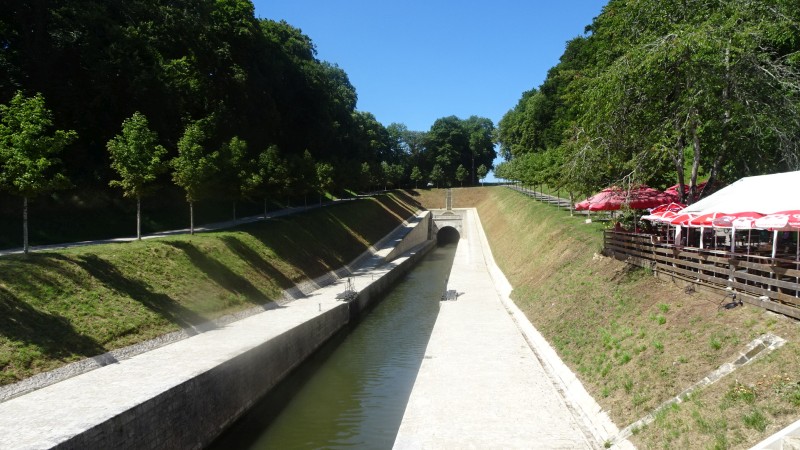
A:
193	413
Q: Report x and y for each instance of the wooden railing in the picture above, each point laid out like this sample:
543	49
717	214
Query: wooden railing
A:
772	283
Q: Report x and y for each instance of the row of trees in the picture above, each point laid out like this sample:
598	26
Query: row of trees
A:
30	160
664	92
211	99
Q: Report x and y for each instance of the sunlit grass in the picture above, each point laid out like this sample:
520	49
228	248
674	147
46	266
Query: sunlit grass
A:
61	306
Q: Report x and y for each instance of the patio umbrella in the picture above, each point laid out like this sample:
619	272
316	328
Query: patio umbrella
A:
672	206
781	221
744	220
582	206
613	198
674	191
679	220
703	221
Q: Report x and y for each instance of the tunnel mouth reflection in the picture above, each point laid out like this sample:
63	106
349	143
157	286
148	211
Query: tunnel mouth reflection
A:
447	235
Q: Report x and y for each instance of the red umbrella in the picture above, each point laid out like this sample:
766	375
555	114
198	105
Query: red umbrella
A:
682	219
703	220
674	207
781	221
739	220
640	197
664	216
581	206
674	191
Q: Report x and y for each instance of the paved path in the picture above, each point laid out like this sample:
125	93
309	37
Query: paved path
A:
480	384
198	229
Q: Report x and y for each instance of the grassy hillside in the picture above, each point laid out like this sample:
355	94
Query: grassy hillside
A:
633	340
61	306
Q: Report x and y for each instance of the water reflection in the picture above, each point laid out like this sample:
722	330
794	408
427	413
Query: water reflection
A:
353	392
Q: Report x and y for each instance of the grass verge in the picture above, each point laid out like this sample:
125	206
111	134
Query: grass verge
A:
58	307
633	340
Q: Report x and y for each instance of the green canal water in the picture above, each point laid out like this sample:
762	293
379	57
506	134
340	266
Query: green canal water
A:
352	393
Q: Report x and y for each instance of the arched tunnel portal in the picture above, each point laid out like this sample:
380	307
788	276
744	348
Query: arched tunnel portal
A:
447	235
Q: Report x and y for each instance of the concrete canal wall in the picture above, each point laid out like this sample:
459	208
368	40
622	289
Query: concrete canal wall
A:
185	394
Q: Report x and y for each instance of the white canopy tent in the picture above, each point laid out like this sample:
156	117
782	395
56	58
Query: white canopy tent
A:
766	194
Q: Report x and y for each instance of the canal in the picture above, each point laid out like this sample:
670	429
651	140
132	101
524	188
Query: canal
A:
353	391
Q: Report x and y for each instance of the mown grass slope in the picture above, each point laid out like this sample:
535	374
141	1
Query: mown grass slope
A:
61	306
633	340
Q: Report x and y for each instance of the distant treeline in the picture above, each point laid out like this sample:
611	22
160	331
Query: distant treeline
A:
248	93
664	92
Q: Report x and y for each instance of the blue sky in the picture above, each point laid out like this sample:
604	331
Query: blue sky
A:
415	61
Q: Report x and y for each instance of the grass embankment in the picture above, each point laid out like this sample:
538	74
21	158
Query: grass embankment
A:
635	341
58	307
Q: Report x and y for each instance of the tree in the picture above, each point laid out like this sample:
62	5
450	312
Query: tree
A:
136	156
28	161
365	177
238	176
416	176
324	178
437	174
193	167
482	171
461	174
272	174
391	174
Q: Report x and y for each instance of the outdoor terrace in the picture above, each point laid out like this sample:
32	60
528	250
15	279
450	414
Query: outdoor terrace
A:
748	274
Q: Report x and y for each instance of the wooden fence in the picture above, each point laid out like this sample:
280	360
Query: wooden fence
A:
771	283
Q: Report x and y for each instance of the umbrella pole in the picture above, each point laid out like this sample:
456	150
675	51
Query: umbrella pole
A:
749	233
702	231
733	239
774	243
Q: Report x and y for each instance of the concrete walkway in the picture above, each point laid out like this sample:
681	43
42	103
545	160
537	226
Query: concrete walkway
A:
481	384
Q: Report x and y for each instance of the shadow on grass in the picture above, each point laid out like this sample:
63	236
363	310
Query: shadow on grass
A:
221	274
256	261
161	304
53	334
407	195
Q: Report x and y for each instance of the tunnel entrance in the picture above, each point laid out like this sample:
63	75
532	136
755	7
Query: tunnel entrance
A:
447	235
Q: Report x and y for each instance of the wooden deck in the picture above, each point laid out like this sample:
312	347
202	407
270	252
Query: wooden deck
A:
771	283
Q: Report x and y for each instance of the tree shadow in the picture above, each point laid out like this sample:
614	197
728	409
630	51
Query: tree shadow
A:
256	261
161	304
407	195
53	334
396	207
221	274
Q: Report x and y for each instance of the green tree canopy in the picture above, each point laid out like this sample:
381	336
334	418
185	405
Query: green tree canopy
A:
137	157
29	163
194	166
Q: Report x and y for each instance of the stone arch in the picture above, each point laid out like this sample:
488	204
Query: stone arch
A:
447	235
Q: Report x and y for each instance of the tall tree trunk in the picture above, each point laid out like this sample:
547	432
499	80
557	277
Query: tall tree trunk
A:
677	158
474	180
191	217
234	211
139	217
25	225
265	207
695	161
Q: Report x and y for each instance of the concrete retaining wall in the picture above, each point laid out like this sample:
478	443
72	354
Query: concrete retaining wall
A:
192	414
419	233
